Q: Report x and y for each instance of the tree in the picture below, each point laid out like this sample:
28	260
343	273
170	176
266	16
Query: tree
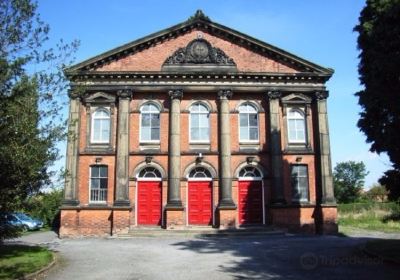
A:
348	178
31	96
377	193
391	179
379	42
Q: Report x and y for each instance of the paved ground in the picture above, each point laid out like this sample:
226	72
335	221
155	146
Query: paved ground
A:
189	257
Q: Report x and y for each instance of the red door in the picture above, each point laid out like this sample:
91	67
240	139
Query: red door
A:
250	202
149	203
200	203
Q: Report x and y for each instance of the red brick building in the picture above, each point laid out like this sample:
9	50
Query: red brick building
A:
197	125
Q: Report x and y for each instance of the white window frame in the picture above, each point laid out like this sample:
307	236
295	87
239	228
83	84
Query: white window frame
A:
297	187
93	118
140	122
248	126
199	178
90	185
190	122
303	119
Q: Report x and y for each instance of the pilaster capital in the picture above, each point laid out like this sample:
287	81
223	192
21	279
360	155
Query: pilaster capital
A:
72	94
175	94
274	94
125	94
224	94
321	95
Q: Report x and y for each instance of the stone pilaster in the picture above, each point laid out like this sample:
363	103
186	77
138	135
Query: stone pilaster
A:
122	164
276	149
70	190
174	151
224	137
324	150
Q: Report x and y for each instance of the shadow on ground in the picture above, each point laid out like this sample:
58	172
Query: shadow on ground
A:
292	257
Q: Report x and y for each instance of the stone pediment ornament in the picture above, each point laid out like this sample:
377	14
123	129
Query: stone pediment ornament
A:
199	55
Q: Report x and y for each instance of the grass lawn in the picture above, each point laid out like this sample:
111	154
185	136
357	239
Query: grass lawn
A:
369	216
386	248
18	260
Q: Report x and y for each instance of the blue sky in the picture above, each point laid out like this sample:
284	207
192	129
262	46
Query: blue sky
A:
320	31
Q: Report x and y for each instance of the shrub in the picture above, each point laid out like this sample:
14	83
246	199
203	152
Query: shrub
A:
45	206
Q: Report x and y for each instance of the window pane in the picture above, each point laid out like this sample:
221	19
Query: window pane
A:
96	130
203	134
103	171
103	183
253	120
95	171
145	133
303	185
253	134
302	171
194	133
203	120
95	183
243	120
105	130
292	130
145	120
244	133
155	120
155	133
194	120
202	108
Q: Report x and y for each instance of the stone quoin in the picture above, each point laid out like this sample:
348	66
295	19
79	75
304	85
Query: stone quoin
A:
197	125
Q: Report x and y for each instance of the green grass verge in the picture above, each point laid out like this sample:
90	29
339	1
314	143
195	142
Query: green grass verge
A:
369	216
19	260
388	249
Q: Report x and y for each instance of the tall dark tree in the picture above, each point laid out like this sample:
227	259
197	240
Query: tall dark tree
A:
348	179
31	96
379	43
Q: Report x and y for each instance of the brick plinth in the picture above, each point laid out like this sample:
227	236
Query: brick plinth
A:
227	218
93	222
329	220
174	219
120	222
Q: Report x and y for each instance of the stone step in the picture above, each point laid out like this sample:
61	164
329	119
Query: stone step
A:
199	232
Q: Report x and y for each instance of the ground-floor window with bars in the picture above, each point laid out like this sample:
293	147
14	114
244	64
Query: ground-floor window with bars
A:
299	180
98	183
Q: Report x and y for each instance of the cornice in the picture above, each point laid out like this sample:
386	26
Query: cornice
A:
82	76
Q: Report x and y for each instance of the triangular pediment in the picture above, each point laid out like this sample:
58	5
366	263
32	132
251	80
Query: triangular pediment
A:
237	51
99	97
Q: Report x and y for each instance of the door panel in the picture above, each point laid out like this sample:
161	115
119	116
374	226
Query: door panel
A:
200	203
250	202
149	203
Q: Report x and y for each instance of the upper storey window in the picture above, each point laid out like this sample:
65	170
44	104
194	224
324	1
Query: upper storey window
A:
248	123
149	123
296	126
199	123
101	126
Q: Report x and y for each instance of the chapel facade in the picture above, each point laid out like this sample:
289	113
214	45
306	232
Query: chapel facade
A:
197	125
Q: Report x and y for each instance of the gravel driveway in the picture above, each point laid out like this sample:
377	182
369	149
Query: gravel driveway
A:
280	256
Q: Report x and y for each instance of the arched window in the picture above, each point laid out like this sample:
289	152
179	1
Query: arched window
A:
199	123
200	172
101	126
248	123
149	172
296	126
149	123
249	172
